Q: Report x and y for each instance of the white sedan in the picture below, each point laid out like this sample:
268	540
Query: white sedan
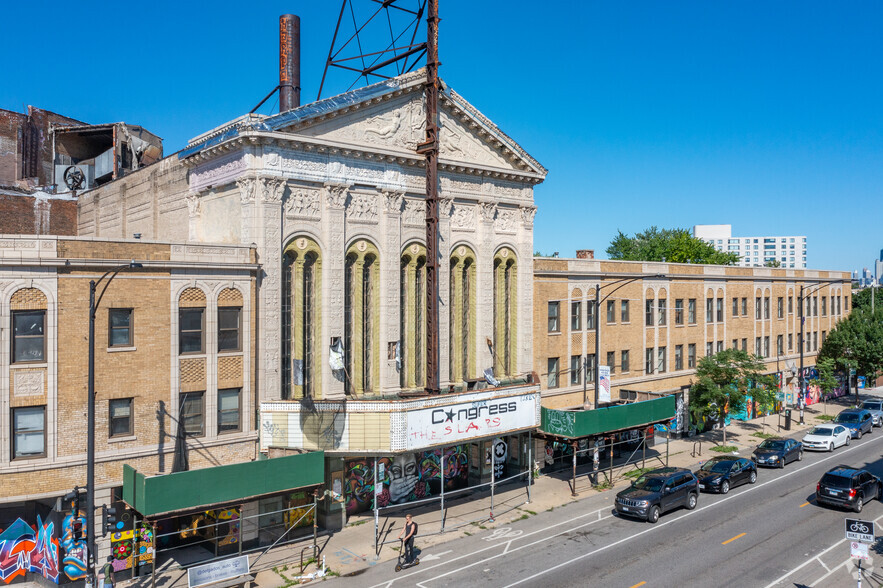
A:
826	437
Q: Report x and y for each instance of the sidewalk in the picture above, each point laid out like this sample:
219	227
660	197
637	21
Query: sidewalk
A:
351	550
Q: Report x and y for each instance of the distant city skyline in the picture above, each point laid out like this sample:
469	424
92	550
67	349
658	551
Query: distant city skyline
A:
764	116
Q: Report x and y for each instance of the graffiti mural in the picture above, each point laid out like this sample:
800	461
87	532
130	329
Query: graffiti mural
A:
129	545
23	550
299	511
74	562
406	477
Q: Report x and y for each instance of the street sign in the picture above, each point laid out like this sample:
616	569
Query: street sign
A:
859	550
857	530
851	372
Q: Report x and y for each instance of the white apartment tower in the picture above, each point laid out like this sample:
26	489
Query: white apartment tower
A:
789	251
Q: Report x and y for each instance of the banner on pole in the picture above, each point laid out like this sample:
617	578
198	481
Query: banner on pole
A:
603	384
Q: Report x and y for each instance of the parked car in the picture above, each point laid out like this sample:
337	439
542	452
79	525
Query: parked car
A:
658	491
858	420
826	437
849	487
875	407
777	452
719	474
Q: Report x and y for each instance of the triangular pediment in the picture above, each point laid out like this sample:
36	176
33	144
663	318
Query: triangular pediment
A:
398	124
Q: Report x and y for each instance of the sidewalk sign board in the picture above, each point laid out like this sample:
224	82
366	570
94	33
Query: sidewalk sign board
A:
857	530
217	571
859	550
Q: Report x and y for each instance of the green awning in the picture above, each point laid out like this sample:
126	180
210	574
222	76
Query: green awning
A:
574	424
151	495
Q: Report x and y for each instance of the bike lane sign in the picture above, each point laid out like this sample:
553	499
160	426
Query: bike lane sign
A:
857	530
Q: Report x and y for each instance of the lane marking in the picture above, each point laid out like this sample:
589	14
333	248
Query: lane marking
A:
804	504
814	558
827	569
639	584
739	536
604	548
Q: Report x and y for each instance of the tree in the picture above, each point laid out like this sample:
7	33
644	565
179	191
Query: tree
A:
723	381
672	245
772	263
825	379
862	298
856	342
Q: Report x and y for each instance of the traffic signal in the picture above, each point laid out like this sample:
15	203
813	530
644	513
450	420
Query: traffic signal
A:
109	516
73	498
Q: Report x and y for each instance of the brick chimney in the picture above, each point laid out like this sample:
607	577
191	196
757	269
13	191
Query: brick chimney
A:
585	254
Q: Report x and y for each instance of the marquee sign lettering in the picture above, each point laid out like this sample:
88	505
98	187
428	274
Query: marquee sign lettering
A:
470	420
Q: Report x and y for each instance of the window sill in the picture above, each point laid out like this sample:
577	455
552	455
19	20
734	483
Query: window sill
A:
229	353
120	349
28	365
122	439
556	333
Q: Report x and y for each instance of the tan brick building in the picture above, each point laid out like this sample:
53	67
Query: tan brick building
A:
173	344
658	319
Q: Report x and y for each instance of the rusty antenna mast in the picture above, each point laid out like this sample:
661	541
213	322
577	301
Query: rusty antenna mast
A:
400	56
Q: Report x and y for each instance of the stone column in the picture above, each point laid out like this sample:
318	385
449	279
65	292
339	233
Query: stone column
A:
484	297
390	264
445	205
333	229
523	351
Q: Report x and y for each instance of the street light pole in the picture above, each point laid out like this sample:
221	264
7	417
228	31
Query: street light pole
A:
90	416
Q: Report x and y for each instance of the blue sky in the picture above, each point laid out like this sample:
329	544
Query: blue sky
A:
763	115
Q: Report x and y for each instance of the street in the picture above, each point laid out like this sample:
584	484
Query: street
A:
768	534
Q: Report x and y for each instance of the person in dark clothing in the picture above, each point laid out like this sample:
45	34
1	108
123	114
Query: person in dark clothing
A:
407	533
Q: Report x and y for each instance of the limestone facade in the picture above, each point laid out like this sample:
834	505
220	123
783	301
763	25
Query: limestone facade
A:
335	187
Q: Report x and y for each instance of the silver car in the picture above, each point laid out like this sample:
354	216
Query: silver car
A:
875	407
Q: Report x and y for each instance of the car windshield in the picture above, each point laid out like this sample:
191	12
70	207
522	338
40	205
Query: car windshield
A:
720	467
836	481
776	445
849	417
872	405
649	483
822	432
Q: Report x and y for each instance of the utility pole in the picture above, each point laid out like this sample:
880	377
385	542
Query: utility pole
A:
430	148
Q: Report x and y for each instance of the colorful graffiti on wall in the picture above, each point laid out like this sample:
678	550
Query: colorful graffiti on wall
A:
406	477
23	550
74	562
299	511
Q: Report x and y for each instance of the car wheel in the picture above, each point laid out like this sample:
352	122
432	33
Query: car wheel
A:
859	503
753	477
861	433
691	501
653	515
725	487
800	455
847	439
830	447
782	463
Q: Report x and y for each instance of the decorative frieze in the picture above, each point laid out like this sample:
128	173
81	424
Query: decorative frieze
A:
392	201
362	208
463	217
488	211
303	203
335	195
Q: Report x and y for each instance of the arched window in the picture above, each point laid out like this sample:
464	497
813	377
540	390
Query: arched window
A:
505	305
413	317
301	319
362	318
462	316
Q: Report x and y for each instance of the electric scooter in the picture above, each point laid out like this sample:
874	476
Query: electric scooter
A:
404	566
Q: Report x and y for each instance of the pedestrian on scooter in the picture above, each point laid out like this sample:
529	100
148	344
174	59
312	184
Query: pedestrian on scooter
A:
408	531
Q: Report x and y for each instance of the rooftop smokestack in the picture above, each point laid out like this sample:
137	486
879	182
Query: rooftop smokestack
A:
289	62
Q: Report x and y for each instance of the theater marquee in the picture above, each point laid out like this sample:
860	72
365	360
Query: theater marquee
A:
463	421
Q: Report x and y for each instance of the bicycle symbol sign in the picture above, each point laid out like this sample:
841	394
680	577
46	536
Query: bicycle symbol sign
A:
857	530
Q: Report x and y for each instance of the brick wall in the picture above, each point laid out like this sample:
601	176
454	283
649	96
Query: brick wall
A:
29	215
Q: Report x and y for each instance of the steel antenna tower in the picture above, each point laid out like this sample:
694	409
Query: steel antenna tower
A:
402	55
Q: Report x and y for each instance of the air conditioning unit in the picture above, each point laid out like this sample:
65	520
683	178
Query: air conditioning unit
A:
76	176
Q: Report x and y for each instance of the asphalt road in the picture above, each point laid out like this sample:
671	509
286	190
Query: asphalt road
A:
768	534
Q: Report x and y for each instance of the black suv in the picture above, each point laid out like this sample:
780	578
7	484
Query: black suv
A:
658	491
848	486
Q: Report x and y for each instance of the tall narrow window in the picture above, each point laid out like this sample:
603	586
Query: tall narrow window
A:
228	328
412	319
28	336
790	342
720	310
462	322
590	367
552	369
120	417
790	305
691	356
709	310
624	361
780	307
679	357
554	317
192	416
735	307
648	360
709	349
301	310
576	370
745	344
590	314
624	311
611	312
679	311
691	311
744	306
661	310
28	432
190	330
361	320
119	324
648	312
611	361
576	315
766	346
757	308
661	360
229	410
824	306
505	323
779	345
766	307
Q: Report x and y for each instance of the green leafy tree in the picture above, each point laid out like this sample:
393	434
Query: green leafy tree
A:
856	342
772	263
862	298
722	383
672	245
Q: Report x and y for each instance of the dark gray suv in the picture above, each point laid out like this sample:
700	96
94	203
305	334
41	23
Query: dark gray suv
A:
658	491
